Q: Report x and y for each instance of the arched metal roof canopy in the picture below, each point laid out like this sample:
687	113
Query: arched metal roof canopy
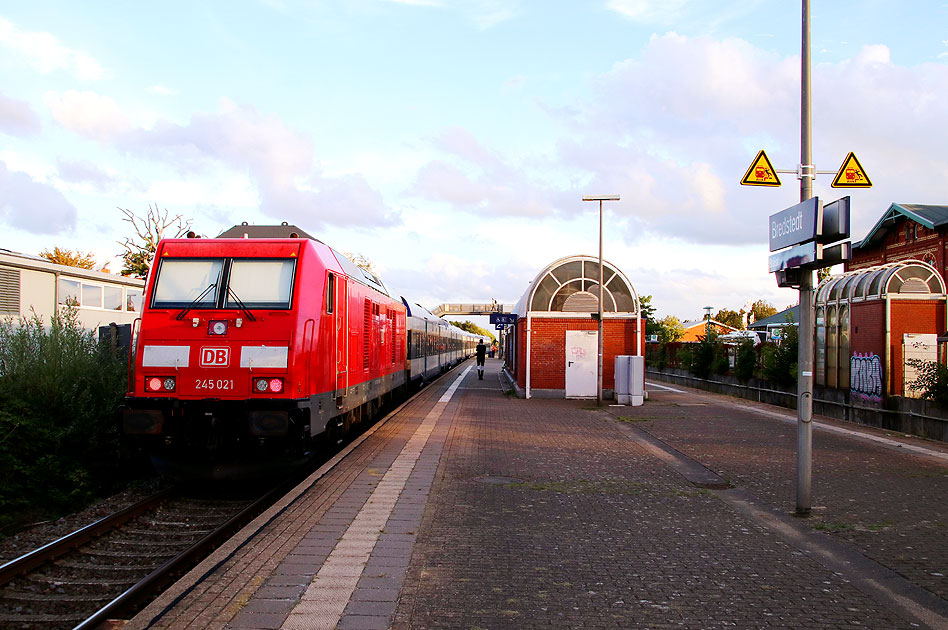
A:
906	277
571	285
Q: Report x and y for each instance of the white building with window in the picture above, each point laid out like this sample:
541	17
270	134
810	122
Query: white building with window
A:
31	284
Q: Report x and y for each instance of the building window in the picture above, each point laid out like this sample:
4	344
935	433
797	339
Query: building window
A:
68	292
99	296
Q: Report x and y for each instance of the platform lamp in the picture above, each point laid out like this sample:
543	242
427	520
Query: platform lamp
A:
600	199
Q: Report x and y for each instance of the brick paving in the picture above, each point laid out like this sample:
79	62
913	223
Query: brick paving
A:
556	514
547	514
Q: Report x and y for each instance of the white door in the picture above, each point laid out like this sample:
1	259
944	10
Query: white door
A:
582	348
920	346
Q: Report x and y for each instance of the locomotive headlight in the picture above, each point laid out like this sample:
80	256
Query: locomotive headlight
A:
217	327
153	384
168	384
261	384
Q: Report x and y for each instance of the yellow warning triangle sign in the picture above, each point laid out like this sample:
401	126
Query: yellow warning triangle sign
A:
851	174
761	172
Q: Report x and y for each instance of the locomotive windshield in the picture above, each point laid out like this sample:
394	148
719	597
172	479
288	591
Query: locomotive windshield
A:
184	283
260	283
224	283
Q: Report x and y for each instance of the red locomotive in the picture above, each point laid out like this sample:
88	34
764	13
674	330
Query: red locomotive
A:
254	347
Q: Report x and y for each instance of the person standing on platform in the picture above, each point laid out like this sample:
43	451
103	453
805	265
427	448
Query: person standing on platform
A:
481	352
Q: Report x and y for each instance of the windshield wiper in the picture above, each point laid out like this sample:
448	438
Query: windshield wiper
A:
246	311
187	310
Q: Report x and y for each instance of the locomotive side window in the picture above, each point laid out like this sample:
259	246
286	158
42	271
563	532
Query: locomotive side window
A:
260	284
331	293
182	283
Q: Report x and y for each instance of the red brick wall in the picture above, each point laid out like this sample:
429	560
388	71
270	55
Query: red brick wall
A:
911	316
907	316
548	349
867	323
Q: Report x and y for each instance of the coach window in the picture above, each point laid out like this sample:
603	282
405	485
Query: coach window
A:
260	283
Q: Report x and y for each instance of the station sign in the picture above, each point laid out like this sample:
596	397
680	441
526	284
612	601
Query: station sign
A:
835	221
503	318
810	255
797	224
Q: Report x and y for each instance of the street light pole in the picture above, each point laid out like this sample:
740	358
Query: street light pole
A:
600	199
707	322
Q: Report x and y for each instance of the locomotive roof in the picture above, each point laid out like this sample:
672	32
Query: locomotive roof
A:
284	230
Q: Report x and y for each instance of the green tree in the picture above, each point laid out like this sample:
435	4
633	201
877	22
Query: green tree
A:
69	258
734	319
762	309
473	328
648	314
670	329
149	229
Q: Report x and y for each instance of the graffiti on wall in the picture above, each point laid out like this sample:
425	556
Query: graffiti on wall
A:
865	377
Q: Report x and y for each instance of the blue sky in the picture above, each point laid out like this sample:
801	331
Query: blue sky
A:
451	142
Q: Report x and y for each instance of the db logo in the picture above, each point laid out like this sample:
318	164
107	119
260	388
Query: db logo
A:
215	357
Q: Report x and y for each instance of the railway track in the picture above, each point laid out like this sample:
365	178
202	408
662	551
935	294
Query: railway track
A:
120	561
117	565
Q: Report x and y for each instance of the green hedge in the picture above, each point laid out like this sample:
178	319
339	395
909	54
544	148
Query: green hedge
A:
59	442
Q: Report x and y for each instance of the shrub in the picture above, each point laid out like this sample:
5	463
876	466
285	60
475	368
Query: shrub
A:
745	361
780	361
931	381
59	443
684	357
702	362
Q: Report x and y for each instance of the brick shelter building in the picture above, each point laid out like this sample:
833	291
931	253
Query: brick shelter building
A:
888	305
555	341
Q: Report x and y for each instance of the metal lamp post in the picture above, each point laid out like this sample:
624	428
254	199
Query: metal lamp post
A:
707	322
600	199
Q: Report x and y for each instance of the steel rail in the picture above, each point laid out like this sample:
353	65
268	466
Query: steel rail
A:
158	578
50	551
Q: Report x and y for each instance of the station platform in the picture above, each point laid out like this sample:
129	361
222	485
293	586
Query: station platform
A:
473	509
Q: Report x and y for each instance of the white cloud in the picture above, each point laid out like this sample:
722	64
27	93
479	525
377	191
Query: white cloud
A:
33	206
89	114
17	117
277	159
46	54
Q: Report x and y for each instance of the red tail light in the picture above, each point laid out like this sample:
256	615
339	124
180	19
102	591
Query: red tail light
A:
159	383
268	385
